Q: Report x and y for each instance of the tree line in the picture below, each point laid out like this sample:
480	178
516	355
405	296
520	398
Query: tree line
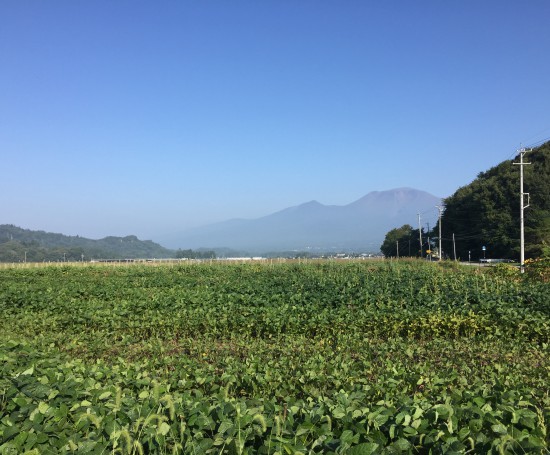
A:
198	254
486	213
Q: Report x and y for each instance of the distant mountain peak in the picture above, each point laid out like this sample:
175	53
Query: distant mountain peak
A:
360	225
393	198
313	202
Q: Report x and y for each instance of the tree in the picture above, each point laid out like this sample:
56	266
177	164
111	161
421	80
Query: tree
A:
190	254
406	236
486	212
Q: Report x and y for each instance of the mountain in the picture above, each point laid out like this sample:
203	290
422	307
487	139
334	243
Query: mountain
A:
37	246
360	225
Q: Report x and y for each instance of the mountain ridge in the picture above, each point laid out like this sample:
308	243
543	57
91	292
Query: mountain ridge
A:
358	225
310	226
17	244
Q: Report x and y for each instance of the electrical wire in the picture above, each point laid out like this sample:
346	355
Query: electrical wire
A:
534	136
536	144
531	144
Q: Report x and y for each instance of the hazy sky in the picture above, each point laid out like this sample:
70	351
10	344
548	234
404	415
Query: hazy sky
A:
133	117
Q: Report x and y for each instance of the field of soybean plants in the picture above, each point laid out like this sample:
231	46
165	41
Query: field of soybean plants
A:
287	358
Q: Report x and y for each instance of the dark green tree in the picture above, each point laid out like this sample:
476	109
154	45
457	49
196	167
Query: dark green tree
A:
486	212
199	254
408	242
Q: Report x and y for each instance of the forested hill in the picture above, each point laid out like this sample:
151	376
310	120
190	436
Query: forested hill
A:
487	211
45	246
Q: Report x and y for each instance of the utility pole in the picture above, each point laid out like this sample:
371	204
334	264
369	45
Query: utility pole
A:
420	233
440	208
397	249
522	206
454	246
429	244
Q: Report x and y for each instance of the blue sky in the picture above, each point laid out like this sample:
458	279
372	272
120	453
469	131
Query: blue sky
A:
146	118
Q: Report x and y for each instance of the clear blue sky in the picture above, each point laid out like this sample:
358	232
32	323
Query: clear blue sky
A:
133	117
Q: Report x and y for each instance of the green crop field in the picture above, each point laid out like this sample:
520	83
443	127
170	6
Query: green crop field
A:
327	357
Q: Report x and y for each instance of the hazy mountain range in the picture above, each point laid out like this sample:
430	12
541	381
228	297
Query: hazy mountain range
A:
18	245
360	225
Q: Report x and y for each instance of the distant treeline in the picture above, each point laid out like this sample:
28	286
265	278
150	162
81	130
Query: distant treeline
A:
200	254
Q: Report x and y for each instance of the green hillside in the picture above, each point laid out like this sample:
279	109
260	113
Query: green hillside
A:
16	244
487	211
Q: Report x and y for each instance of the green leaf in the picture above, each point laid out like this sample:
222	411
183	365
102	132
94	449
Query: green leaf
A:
475	425
366	448
304	428
463	433
444	410
104	395
20	401
28	372
86	446
536	442
20	439
10	432
528	422
43	407
402	444
338	413
41	438
499	429
224	426
164	428
347	436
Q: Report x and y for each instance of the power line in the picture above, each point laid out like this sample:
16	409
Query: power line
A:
427	211
530	144
545	130
465	237
536	144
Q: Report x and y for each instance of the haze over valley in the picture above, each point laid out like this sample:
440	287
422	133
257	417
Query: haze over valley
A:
359	225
